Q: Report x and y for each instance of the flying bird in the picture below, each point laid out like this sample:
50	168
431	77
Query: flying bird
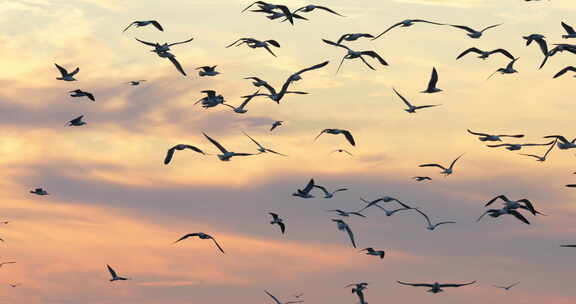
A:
269	8
435	287
499	212
412	108
562	142
154	23
564	70
342	226
512	205
115	277
328	194
485	54
508	287
372	251
207	71
309	8
346	213
515	147
351	54
538	157
226	155
430	225
472	33
559	48
490	137
80	93
570	33
353	37
261	148
342	151
305	193
422	178
39	191
202	236
346	134
254	43
445	171
135	82
65	75
276	124
241	108
540	40
76	122
277	220
278	301
162	47
211	99
180	147
405	23
509	69
432	83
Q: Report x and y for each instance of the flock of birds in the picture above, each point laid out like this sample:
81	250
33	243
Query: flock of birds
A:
389	205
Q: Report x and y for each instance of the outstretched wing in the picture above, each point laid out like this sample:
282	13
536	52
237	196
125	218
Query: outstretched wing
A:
569	30
432	165
180	42
457	285
433	80
519	216
112	272
564	70
415	284
217	245
273	297
169	155
129	25
472	49
402	97
217	144
349	137
146	42
503	52
157	25
177	65
61	69
476	133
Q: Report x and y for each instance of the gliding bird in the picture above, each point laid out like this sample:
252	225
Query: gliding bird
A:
436	287
202	236
412	108
445	171
346	134
226	155
342	226
180	147
155	23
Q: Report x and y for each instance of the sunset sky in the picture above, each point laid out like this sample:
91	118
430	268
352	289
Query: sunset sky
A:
113	201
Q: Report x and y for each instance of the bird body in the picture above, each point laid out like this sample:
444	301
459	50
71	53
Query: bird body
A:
39	191
342	226
305	193
435	287
65	75
80	93
278	221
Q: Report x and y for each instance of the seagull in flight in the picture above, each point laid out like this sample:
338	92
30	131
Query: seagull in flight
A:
564	70
241	108
277	220
309	8
559	48
506	287
276	124
435	287
570	33
509	69
515	147
180	147
432	83
562	142
512	205
39	191
342	226
430	225
342	151
76	122
254	43
422	178
226	155
202	236
346	134
65	75
372	251
499	212
353	37
540	40
472	33
211	99
351	54
405	23
412	108
328	194
277	96
485	54
154	23
445	171
207	71
269	8
278	301
136	82
305	193
115	277
386	211
346	213
80	93
538	157
261	148
489	137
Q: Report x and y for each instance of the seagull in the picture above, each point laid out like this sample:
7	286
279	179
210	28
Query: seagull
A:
80	93
509	69
277	96
254	43
506	287
145	23
436	287
278	301
559	48
115	277
202	236
474	33
6	263
405	23
342	226
353	37
277	220
261	148
569	31
328	194
540	40
309	8
430	225
305	193
268	7
15	285
540	158
76	122
422	178
562	142
511	205
485	54
276	124
180	147
39	191
386	211
172	58
346	213
489	137
135	82
342	151
211	99
164	47
432	83
514	147
241	108
346	134
207	71
445	171
65	75
371	251
564	70
412	108
356	54
226	155
498	212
